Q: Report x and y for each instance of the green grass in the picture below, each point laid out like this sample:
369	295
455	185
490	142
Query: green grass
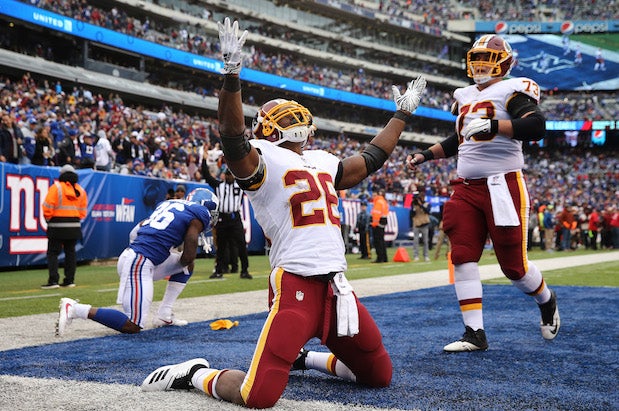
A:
608	41
97	282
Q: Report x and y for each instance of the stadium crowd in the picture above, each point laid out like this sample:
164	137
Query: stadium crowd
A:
439	12
194	39
59	126
55	127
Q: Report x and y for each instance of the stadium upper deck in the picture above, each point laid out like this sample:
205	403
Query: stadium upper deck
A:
153	23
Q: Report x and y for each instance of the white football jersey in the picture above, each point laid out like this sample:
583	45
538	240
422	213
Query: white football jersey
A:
485	156
297	207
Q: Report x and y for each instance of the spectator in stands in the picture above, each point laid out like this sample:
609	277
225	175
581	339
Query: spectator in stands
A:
594	228
606	237
533	224
104	154
122	146
614	226
87	149
213	159
420	224
540	226
43	147
161	153
138	168
11	140
29	139
567	222
137	150
69	151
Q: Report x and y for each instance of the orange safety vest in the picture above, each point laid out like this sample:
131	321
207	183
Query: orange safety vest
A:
63	210
61	201
380	208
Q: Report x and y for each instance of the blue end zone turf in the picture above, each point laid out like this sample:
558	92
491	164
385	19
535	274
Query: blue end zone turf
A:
520	371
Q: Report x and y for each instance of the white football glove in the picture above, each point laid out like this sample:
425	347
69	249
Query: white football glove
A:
410	99
231	46
478	126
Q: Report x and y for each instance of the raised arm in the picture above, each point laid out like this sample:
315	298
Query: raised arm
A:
241	157
359	166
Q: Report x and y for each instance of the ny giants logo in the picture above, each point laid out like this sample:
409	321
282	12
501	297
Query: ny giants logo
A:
26	196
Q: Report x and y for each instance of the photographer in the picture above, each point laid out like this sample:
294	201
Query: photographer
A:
420	223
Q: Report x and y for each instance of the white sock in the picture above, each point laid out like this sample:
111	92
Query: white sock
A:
81	311
172	291
533	284
469	292
327	363
202	381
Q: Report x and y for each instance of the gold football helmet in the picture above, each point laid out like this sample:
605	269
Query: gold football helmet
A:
490	57
282	120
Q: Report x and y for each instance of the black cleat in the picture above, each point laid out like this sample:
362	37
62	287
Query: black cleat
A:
470	341
551	321
299	363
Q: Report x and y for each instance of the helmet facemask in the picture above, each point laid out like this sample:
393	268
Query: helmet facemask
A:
283	120
490	57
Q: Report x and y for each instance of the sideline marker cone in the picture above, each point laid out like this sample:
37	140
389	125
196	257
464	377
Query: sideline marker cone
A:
401	256
450	268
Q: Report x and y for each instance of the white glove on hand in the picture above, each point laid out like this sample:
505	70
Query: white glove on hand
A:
231	46
477	126
410	99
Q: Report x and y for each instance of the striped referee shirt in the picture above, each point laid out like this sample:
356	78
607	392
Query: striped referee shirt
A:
230	195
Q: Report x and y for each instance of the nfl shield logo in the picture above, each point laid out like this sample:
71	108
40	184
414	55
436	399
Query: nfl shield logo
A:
300	295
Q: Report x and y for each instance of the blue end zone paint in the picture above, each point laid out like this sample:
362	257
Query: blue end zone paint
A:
578	371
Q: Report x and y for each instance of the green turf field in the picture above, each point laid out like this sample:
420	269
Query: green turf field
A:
97	282
608	41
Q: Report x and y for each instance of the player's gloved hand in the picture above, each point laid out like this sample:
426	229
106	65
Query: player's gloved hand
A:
480	126
409	101
231	46
413	160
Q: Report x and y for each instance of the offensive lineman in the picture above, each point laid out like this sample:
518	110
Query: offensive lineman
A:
495	115
151	256
294	196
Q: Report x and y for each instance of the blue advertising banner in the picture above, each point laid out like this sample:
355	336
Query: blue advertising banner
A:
554	27
116	203
121	41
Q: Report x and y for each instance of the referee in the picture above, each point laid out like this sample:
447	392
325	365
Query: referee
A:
229	232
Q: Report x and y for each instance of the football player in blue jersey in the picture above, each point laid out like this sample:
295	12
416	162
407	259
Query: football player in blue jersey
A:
152	255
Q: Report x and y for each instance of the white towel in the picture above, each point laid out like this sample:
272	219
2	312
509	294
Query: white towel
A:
346	306
502	204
